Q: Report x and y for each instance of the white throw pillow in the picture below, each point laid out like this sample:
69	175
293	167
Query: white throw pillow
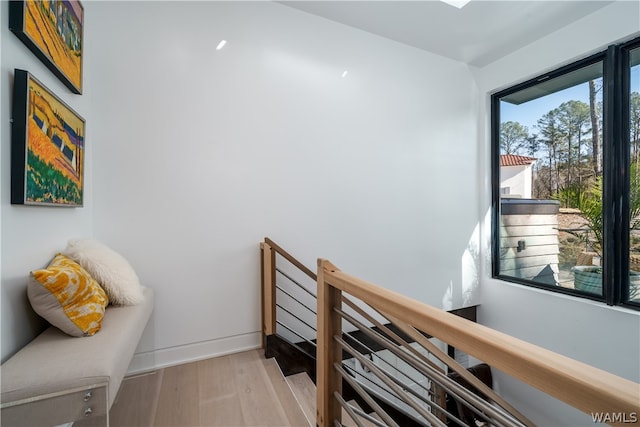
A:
110	269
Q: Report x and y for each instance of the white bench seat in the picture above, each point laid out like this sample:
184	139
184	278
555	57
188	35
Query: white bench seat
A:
57	379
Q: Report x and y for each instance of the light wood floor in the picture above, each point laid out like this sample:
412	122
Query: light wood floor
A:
242	389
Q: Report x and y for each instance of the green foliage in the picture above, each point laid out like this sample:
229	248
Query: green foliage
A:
569	197
634	196
48	185
513	137
590	204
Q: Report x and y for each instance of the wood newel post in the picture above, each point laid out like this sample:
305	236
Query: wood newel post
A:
329	352
268	263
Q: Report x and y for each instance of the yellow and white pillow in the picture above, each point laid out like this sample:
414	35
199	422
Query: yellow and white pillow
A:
67	297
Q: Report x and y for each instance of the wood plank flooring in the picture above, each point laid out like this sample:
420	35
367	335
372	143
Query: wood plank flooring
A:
242	389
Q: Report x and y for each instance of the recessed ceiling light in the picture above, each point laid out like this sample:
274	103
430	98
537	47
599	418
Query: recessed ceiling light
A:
344	73
221	44
456	3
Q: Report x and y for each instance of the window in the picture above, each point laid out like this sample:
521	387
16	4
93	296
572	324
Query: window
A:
567	146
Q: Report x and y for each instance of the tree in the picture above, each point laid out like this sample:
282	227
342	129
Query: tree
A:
634	126
595	129
532	145
551	136
513	137
574	120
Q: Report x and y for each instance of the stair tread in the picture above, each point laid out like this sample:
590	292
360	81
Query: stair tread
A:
305	391
255	391
290	403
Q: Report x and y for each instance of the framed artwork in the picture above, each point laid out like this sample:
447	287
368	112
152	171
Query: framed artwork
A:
47	147
52	30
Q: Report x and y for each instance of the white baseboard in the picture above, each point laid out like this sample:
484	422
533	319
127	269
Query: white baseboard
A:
165	357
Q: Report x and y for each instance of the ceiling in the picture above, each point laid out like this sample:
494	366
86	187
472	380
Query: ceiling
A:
478	34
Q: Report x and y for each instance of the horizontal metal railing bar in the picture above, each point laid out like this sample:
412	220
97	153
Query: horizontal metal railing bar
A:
357	374
464	396
296	300
291	259
404	374
432	404
365	396
296	283
418	337
393	335
422	340
313	328
401	394
367	417
295	333
347	408
552	373
452	364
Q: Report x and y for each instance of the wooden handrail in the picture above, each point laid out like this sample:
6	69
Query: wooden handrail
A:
582	386
290	258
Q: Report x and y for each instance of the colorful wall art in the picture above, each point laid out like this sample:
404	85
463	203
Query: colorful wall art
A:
53	31
47	153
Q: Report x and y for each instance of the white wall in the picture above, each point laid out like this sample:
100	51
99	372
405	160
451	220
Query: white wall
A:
2	126
194	155
32	235
605	337
200	153
518	179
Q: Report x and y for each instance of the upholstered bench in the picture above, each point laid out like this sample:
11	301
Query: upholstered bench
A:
57	379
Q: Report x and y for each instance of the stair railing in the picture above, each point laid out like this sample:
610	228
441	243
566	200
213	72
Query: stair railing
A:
285	284
278	284
346	299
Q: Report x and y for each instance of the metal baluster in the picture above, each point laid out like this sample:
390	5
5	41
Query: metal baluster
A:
367	398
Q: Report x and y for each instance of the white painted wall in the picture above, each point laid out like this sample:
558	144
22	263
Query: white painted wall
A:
32	235
2	126
605	337
194	155
200	153
518	179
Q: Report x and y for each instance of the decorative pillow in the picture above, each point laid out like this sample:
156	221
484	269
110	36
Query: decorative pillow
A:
67	297
109	268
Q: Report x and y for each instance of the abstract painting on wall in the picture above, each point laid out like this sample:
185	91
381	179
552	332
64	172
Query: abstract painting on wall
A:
47	147
53	30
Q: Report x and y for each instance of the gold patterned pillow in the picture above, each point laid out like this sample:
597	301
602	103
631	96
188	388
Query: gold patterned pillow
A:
67	297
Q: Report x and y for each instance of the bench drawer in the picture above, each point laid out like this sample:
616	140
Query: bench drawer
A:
58	408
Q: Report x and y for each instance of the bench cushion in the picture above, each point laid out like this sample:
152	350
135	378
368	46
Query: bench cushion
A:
54	362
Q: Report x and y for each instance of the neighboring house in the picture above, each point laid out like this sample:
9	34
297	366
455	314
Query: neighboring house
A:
516	176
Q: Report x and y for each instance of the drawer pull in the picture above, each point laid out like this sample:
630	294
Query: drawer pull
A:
88	395
88	411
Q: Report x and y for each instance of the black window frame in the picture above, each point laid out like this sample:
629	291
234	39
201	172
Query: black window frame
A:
616	164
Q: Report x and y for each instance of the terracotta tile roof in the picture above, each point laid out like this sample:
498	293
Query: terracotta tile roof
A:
515	160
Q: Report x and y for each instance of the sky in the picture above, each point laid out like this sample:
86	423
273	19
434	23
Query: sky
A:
528	113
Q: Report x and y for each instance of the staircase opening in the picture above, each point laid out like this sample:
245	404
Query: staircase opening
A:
379	358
